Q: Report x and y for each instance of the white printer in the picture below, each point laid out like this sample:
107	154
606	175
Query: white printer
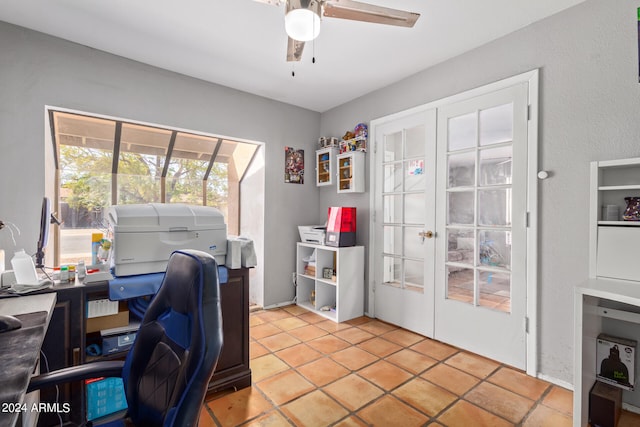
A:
144	236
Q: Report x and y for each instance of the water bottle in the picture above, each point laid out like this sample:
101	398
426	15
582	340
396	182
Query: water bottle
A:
24	269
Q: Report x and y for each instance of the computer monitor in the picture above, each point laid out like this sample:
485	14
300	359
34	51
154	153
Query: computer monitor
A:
45	220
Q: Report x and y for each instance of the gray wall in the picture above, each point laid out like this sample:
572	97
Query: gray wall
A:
38	70
589	107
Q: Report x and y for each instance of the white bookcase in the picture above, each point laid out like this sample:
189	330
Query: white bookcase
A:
343	292
609	301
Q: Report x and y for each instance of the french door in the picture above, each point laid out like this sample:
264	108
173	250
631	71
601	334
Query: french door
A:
451	191
405	216
481	293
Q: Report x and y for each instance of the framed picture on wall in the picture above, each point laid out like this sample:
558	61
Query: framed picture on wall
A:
293	165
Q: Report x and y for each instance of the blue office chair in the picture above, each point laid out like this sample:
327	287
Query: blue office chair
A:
168	368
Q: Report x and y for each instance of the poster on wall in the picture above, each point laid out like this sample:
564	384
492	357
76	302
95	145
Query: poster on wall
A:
293	165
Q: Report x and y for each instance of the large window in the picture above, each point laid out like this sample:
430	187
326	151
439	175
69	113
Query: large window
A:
102	162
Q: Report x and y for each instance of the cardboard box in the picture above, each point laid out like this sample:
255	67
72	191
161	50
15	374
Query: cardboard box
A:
117	320
615	361
117	343
605	403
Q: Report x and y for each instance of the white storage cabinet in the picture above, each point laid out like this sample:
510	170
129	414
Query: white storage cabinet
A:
344	290
609	302
613	245
351	172
325	166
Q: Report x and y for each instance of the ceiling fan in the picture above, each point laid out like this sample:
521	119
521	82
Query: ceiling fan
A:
302	18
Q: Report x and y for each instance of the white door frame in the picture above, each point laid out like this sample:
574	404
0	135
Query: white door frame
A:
532	78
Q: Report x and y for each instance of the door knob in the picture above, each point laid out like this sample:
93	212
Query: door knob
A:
426	234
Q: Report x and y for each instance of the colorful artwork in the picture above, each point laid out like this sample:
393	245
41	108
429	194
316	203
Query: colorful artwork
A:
416	167
293	165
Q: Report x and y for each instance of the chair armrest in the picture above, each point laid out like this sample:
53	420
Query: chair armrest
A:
77	373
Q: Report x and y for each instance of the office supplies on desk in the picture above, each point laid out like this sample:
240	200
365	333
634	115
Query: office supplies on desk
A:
97	273
19	288
24	268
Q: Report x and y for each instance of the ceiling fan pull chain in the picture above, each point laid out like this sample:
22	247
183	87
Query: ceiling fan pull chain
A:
313	44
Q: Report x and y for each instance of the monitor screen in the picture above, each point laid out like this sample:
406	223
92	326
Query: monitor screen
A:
45	220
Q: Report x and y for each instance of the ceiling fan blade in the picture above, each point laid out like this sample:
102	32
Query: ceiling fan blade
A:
294	50
271	2
356	11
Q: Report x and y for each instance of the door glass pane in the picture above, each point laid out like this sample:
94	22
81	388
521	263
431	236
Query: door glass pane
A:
414	175
414	145
392	240
495	166
413	243
460	244
494	207
392	148
460	207
463	132
414	205
494	290
494	248
392	177
392	271
496	124
462	169
460	284
414	276
392	208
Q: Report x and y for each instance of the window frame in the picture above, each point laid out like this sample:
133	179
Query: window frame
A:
221	143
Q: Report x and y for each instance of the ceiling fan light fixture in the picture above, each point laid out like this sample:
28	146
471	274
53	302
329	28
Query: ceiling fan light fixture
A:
302	24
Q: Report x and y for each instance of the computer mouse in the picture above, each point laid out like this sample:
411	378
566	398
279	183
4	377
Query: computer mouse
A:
9	323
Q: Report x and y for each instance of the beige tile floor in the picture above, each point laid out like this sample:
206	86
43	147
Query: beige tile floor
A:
309	371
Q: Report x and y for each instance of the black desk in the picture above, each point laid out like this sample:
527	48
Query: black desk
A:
20	353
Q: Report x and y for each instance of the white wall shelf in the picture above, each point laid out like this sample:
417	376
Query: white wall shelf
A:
344	291
351	172
325	166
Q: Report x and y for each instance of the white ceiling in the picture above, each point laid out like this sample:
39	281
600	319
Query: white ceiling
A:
242	43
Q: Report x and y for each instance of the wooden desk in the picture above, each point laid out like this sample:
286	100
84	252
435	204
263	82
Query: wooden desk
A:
20	353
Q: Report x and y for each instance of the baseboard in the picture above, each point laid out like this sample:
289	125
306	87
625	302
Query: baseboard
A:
278	305
630	408
555	381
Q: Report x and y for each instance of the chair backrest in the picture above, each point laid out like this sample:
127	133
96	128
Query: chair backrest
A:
170	364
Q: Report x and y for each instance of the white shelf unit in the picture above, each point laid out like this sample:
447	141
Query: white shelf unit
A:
345	293
613	244
325	166
609	301
602	306
351	172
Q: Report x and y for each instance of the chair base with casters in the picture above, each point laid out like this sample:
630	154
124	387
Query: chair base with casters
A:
168	368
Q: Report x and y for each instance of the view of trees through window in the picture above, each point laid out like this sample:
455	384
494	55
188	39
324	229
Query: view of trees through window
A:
103	162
